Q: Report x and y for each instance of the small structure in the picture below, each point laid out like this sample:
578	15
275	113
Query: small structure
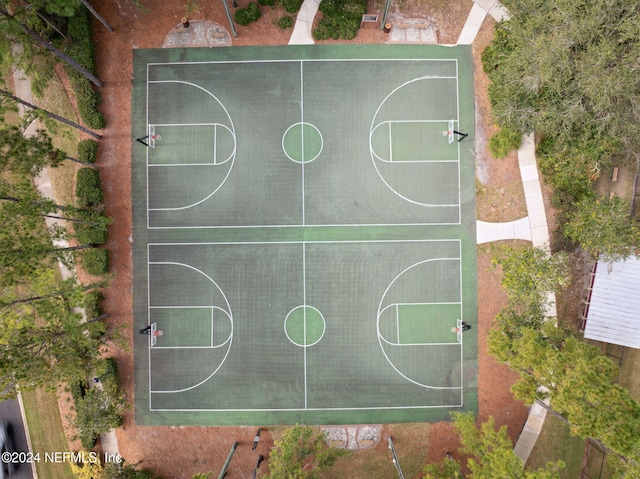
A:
612	312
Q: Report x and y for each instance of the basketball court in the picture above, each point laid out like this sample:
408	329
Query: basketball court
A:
304	235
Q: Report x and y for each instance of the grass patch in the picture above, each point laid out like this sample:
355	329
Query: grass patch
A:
556	443
629	372
47	435
64	137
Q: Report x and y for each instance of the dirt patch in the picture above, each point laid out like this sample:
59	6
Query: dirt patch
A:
183	451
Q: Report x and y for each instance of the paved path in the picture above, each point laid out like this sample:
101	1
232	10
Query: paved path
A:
23	90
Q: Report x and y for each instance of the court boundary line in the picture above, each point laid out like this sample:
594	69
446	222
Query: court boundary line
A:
457	241
453	61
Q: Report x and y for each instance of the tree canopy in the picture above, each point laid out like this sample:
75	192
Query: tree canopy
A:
489	453
302	454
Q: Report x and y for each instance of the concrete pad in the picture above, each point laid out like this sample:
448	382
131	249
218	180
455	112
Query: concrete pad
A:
472	25
486	5
487	232
529	172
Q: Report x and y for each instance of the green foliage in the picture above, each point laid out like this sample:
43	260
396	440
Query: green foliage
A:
96	261
88	188
99	411
285	22
340	19
489	454
92	303
530	273
244	16
302	454
604	227
60	349
504	142
88	151
291	6
27	155
88	234
123	470
267	3
81	49
567	70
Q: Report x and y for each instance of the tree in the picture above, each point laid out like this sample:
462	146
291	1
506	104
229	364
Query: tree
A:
567	69
489	454
21	25
99	411
61	348
529	274
302	454
578	380
49	114
27	155
603	228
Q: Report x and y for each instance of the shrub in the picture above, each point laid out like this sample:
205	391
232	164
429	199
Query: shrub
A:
291	6
505	141
254	11
88	188
244	16
96	261
267	3
81	49
340	20
88	151
90	234
285	22
92	303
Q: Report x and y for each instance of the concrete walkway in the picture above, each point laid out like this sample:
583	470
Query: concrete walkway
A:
23	90
302	29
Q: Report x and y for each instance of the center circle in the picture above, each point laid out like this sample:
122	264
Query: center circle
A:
304	326
302	142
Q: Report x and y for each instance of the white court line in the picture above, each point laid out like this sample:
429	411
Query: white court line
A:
439	240
371	408
320	225
304	322
311	60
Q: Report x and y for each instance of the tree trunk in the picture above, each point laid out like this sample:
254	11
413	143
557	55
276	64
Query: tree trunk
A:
86	163
52	115
68	60
97	15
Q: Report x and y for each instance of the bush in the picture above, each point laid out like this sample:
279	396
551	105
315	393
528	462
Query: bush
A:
340	19
98	412
96	261
244	16
285	22
81	49
267	3
88	151
254	11
291	6
505	141
90	234
92	303
88	188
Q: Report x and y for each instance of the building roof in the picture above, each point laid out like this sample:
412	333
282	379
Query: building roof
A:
614	307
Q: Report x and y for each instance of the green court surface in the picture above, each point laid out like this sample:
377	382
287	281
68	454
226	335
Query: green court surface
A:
304	235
